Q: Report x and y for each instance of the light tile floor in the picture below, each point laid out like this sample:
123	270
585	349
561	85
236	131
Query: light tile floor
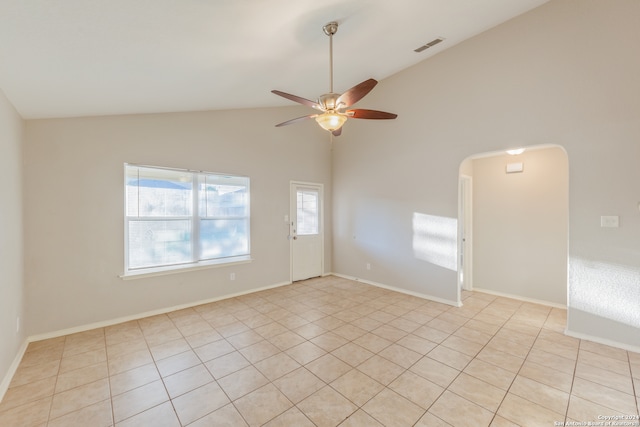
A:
327	352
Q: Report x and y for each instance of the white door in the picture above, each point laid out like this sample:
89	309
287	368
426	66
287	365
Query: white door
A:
465	221
305	231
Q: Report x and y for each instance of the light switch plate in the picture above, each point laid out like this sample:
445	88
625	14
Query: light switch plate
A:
610	221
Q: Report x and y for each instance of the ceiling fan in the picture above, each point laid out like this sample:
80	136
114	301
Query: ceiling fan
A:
333	107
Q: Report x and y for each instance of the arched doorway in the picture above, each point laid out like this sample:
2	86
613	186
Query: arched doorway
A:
513	224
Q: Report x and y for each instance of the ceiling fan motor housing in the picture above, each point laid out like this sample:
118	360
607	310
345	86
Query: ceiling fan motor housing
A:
329	101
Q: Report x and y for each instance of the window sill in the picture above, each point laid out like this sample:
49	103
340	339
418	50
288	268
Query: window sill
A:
174	269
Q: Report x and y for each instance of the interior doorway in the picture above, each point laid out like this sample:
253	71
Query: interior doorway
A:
306	230
513	224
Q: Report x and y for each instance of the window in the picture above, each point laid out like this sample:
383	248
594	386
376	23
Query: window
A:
307	212
177	218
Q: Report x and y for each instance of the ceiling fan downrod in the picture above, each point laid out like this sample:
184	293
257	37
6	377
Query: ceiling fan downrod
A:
330	29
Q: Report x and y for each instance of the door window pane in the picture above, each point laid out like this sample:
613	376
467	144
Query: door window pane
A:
307	212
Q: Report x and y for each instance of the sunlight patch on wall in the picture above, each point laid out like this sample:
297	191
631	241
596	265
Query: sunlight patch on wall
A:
435	240
606	289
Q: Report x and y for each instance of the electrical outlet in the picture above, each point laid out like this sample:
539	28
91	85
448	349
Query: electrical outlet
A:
232	276
368	266
18	325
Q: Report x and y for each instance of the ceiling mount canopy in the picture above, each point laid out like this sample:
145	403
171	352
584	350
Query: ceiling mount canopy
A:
331	28
333	106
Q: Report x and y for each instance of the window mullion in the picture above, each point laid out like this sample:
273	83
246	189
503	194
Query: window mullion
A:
195	219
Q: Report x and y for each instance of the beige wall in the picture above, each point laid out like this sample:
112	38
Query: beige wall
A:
565	73
520	225
11	255
74	206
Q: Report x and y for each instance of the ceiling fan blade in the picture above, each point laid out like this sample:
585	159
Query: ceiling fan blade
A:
370	114
356	93
337	132
297	99
296	120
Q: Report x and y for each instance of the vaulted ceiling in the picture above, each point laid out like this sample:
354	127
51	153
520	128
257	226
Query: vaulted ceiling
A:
68	58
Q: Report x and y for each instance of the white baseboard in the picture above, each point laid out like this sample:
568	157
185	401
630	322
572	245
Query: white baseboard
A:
6	381
567	332
400	290
165	310
520	298
603	341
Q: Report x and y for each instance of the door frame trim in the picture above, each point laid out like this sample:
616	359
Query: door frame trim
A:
465	226
292	208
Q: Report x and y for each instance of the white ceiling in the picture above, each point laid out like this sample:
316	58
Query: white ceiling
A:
65	58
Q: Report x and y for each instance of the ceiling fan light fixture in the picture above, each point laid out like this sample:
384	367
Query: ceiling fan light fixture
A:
331	120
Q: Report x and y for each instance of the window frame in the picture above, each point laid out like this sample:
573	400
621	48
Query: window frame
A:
195	218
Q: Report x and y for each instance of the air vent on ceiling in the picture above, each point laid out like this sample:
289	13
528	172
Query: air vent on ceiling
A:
428	45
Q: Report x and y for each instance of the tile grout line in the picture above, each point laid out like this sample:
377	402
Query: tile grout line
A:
326	384
636	393
106	352
56	381
426	355
155	362
573	379
232	402
495	413
202	362
359	407
461	371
